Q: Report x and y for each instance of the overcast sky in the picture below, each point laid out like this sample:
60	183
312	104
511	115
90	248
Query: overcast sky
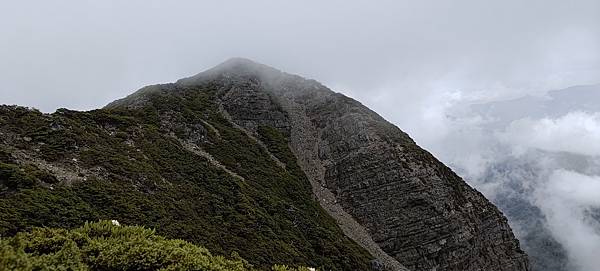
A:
408	60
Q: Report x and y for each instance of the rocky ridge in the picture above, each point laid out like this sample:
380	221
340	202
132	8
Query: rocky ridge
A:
228	158
367	172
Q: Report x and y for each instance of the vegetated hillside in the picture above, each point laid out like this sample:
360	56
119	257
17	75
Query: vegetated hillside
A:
106	245
244	158
176	165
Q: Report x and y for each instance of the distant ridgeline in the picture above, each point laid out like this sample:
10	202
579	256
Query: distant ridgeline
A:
227	160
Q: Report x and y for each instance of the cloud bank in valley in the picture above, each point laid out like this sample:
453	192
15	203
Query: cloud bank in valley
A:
566	200
535	152
576	132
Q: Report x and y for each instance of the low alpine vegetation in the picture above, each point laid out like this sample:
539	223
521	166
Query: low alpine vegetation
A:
105	245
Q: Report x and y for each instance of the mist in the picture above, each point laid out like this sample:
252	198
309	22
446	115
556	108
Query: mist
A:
576	132
538	159
437	69
84	54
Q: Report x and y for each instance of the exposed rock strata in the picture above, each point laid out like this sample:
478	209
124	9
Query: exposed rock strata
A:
370	175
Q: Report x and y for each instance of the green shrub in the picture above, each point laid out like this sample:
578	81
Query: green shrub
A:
14	176
104	246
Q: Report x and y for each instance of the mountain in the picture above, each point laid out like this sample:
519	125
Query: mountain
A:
246	159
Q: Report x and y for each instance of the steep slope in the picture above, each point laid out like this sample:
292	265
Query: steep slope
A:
415	208
232	158
174	164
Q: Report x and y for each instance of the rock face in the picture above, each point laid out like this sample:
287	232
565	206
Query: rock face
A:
228	158
414	208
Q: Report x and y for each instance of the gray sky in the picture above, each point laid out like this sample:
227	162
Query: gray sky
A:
408	60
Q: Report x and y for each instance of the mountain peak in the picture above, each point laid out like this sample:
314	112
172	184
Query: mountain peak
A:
240	62
232	71
254	154
234	67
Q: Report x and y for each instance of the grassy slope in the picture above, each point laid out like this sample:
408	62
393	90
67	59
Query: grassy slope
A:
105	246
146	177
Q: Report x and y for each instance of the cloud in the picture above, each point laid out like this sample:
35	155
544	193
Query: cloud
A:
542	171
566	200
576	132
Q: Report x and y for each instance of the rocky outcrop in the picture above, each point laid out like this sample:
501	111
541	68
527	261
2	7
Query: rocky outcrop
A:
388	194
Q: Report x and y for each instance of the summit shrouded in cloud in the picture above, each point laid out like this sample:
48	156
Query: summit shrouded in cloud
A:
389	53
505	92
247	160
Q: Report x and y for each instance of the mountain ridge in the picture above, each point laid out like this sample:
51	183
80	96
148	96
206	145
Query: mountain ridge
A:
407	208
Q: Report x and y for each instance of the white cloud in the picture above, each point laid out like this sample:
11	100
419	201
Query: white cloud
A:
564	200
551	163
576	132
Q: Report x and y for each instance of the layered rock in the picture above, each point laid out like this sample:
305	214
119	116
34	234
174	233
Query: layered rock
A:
388	194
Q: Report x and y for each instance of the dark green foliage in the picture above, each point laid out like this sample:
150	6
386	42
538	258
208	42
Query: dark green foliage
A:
5	157
104	246
13	177
140	173
278	146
